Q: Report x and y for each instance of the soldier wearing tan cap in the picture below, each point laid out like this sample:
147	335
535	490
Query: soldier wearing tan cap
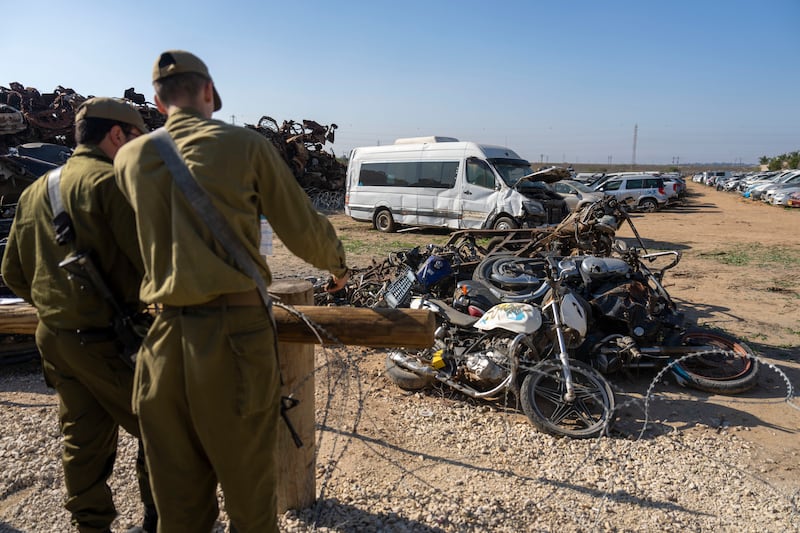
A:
207	389
80	352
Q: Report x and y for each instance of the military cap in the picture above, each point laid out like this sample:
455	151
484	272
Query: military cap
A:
174	62
111	109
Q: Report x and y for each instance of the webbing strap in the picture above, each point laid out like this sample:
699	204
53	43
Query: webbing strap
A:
54	191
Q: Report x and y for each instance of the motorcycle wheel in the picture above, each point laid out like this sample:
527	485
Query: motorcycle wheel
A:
730	371
542	395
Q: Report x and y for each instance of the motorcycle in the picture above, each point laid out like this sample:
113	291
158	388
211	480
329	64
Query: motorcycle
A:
635	323
515	349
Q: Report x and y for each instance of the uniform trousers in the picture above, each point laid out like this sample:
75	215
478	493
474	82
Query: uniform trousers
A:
207	391
94	387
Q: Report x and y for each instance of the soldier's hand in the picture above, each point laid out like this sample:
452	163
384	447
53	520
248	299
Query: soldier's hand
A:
336	284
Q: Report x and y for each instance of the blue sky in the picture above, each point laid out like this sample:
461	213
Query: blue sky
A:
704	80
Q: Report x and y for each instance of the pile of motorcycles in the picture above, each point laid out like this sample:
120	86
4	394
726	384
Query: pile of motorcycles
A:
540	317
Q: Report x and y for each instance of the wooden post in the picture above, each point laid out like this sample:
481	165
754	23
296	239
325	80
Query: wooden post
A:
296	468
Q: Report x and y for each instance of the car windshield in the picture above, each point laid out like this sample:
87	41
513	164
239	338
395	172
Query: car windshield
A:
581	187
511	170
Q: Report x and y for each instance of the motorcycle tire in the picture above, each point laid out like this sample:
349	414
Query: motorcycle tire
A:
405	379
732	370
590	415
499	272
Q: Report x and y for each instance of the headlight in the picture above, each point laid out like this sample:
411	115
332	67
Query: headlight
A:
534	208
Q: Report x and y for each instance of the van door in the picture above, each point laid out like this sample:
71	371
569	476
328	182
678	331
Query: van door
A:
478	193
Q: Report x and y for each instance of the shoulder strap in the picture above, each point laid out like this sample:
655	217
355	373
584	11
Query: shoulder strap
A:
54	191
205	208
62	223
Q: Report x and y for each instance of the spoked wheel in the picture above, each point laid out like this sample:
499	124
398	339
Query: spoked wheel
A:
588	415
725	365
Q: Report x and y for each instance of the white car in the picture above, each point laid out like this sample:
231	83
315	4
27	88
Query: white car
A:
782	196
642	191
792	181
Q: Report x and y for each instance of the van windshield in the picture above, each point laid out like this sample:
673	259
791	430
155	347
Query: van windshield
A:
511	170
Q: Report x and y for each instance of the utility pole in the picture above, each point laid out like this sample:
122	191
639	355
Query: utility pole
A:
233	119
635	134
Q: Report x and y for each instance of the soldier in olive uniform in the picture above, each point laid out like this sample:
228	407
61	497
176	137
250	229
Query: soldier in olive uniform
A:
80	353
207	386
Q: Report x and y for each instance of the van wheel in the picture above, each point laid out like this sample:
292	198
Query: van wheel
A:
383	221
648	205
505	223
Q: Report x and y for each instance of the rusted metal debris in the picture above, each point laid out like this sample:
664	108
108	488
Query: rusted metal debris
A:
29	116
302	147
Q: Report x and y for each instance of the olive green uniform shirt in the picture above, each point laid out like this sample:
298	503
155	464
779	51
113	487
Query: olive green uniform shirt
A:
103	222
245	177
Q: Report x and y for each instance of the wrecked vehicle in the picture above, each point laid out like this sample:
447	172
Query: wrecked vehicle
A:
442	182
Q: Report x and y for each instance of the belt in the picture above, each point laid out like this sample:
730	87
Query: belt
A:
249	298
89	336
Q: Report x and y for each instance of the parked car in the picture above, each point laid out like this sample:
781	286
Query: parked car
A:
642	191
575	193
757	180
793	200
755	191
793	180
674	189
782	196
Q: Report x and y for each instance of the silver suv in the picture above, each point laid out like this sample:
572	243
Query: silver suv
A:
641	191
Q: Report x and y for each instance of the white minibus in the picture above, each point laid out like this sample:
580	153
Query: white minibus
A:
442	182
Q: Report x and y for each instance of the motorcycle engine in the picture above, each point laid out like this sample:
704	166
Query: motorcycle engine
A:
628	304
489	365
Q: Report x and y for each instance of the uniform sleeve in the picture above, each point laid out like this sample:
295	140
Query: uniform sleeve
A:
13	273
306	233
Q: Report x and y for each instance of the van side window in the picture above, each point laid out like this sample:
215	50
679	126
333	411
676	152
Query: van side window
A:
634	184
436	174
479	173
611	185
654	183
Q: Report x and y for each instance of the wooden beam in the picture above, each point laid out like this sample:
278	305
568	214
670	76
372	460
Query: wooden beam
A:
357	326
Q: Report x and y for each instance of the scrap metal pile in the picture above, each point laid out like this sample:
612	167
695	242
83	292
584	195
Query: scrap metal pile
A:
28	116
543	315
435	270
301	145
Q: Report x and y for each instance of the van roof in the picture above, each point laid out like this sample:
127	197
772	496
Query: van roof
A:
429	139
454	147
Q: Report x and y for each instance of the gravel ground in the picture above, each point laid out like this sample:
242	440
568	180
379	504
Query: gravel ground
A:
394	461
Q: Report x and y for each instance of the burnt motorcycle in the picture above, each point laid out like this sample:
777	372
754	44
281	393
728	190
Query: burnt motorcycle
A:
635	323
515	350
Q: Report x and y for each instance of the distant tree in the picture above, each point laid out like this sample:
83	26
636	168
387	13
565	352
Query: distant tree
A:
764	160
794	160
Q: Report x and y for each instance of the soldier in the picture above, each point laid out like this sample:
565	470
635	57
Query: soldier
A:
208	389
80	350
